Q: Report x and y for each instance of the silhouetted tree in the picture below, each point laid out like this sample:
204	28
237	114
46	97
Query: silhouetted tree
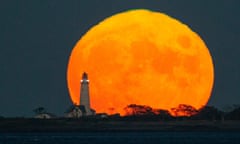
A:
39	110
71	108
234	114
137	110
208	113
184	110
163	114
230	108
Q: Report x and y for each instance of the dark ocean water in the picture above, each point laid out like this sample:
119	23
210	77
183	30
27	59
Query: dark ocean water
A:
122	138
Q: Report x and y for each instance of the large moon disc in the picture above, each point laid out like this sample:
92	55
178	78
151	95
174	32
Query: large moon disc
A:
141	57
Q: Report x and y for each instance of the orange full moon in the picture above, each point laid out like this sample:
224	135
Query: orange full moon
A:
141	57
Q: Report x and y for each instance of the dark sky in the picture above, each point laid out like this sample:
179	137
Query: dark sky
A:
37	36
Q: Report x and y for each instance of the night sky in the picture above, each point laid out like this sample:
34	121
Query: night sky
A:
36	39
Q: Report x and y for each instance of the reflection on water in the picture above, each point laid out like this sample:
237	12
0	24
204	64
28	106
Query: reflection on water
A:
121	137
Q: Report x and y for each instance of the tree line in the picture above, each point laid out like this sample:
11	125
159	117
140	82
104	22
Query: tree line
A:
183	111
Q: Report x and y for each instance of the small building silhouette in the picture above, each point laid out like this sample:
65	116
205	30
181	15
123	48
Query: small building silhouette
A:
44	116
41	113
75	111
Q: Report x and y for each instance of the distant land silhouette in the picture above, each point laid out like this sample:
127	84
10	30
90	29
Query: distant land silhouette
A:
137	118
144	112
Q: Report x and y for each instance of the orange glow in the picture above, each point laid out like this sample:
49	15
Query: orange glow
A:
141	57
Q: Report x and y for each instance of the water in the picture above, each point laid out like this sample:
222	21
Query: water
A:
122	138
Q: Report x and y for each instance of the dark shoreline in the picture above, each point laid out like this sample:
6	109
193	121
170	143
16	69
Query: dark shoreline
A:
78	125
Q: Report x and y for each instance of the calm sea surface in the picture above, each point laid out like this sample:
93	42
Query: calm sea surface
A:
122	138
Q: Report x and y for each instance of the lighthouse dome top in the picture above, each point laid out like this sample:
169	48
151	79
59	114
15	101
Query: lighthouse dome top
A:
84	77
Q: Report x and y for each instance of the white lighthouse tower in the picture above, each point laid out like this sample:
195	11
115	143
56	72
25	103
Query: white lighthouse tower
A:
84	95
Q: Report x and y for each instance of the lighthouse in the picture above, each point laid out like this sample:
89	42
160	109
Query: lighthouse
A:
84	95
